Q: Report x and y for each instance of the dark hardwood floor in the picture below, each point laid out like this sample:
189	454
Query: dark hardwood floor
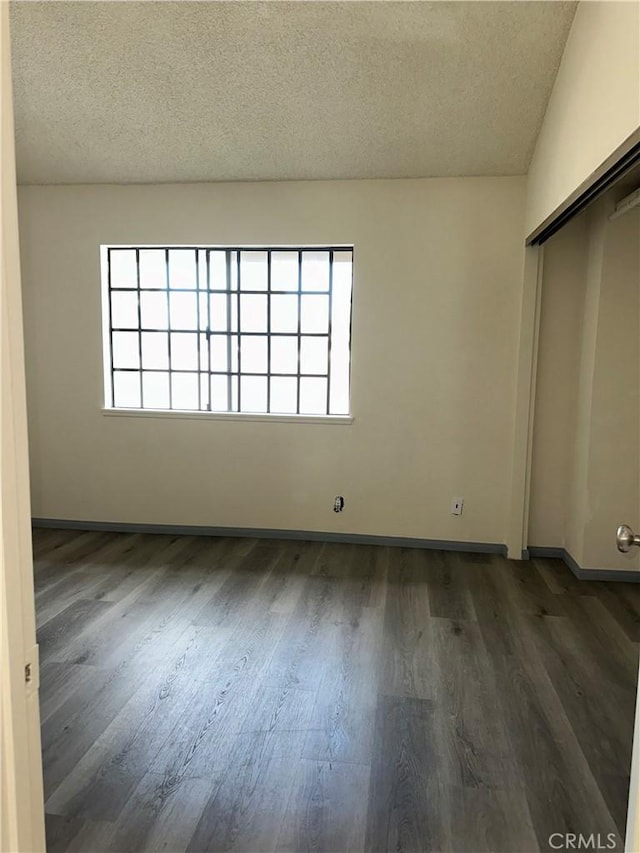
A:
210	694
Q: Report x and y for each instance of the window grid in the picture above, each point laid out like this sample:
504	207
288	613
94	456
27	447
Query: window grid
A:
329	330
299	301
269	330
199	339
239	321
229	337
207	400
169	336
139	300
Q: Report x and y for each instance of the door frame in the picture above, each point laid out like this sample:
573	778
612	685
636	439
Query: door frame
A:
516	537
22	797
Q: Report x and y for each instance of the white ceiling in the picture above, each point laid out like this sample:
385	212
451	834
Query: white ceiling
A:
206	91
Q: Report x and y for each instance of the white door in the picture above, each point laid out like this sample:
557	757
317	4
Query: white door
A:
626	539
632	842
21	794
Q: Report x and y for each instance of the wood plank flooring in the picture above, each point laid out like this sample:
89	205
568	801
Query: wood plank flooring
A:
212	694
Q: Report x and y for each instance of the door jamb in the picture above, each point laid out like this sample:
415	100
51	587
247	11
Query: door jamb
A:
21	794
518	518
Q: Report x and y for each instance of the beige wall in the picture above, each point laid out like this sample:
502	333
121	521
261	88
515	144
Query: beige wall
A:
594	106
586	459
438	277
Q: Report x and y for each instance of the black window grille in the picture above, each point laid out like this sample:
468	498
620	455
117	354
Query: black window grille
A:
252	330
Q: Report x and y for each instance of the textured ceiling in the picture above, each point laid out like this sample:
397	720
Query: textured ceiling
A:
204	91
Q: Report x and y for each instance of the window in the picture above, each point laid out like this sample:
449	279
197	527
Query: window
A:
251	330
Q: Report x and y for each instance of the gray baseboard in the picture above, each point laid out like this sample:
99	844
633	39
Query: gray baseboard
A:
554	553
582	573
349	538
265	533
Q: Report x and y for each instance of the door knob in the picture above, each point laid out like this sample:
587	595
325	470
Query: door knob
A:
626	538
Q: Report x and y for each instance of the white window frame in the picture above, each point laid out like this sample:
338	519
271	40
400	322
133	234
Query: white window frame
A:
233	254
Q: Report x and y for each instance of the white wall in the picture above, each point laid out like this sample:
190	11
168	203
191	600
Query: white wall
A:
438	278
594	106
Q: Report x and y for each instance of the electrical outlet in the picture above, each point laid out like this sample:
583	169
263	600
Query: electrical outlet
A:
457	505
338	504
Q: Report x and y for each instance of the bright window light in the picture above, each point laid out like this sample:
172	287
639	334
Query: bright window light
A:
248	330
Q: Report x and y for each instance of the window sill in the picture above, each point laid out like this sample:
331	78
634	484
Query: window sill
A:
343	420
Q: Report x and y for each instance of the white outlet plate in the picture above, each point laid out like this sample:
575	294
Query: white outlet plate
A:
457	505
